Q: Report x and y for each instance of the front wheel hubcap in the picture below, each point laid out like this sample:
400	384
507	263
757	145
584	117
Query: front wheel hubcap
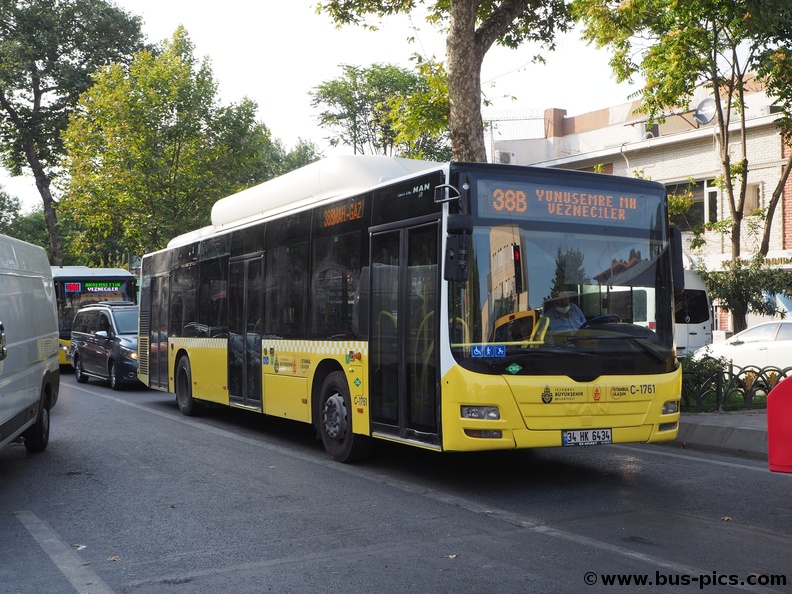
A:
334	417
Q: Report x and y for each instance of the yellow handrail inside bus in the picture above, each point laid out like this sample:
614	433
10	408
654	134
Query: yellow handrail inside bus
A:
387	314
465	328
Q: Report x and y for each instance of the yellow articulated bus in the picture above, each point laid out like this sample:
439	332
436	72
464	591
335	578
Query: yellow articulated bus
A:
76	286
448	306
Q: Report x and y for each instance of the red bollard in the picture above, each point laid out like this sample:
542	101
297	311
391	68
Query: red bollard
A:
779	427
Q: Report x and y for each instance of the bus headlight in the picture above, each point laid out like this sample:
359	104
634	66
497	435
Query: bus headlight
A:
488	413
669	408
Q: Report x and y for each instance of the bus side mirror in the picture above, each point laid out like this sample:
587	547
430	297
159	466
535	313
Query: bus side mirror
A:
677	267
459	227
456	257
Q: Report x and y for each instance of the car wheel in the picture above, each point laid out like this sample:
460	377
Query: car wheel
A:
115	382
335	421
37	435
187	404
79	372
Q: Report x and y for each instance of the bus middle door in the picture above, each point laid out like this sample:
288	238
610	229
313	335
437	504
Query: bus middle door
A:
403	350
246	298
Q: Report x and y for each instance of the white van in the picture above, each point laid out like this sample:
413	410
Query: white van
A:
692	316
29	367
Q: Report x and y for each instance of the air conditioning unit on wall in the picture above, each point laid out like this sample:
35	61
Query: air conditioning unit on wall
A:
506	157
648	131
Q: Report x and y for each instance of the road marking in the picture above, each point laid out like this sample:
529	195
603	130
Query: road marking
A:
71	565
470	505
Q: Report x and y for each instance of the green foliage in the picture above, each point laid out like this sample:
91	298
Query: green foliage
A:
748	285
700	383
150	151
384	109
29	227
48	52
9	211
678	47
472	28
420	118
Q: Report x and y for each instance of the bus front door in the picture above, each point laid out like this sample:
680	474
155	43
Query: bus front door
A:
245	300
403	350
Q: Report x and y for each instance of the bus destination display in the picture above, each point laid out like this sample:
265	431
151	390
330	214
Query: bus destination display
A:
504	199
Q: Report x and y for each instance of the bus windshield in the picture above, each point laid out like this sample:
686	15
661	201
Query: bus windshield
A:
76	286
564	280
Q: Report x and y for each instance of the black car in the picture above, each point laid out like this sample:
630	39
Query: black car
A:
104	343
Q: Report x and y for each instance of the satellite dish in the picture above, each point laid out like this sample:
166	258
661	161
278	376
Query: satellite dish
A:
705	111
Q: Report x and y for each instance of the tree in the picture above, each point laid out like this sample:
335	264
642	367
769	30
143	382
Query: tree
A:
679	46
744	286
30	227
48	51
9	211
420	118
719	44
775	66
361	105
150	151
473	26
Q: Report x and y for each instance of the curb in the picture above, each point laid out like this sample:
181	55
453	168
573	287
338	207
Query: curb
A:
750	442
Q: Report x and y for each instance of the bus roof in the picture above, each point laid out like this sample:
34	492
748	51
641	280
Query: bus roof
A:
87	272
329	178
324	180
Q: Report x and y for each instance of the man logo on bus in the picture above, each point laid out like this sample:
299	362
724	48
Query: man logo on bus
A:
547	395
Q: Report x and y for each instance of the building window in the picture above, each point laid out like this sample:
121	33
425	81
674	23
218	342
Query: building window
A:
753	198
705	204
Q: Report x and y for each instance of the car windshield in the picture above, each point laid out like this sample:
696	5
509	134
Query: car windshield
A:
126	321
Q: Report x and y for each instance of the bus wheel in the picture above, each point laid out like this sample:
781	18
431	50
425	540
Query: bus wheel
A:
79	372
187	404
335	422
37	435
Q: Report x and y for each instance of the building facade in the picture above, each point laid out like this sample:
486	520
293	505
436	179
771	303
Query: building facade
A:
682	152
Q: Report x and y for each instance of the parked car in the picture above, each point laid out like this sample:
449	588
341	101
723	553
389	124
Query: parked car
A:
104	343
763	345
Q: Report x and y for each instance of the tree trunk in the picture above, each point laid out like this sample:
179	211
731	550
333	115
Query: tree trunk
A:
777	193
464	58
43	185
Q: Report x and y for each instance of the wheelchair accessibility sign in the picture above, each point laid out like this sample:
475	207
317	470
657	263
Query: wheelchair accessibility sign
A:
487	351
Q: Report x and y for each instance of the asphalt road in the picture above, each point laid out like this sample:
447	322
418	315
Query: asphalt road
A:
132	497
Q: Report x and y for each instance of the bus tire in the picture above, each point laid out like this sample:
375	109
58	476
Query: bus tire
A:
183	381
37	435
79	372
335	421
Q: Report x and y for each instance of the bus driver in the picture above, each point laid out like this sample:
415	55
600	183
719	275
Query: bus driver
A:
563	314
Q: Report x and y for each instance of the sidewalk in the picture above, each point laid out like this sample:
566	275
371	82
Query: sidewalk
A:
738	433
